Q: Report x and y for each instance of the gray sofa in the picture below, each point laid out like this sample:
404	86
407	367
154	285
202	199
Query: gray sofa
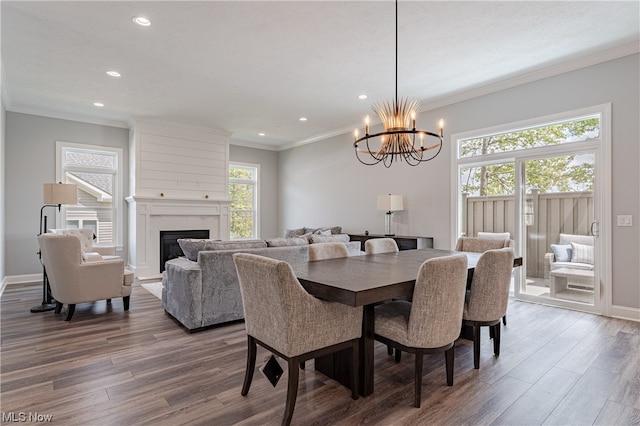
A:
205	291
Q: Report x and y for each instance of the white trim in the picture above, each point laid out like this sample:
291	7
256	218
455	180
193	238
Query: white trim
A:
117	197
625	312
31	110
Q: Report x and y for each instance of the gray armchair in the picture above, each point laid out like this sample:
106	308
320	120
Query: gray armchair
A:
321	251
286	320
431	321
75	280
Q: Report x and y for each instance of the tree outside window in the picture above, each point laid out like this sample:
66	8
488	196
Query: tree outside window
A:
243	193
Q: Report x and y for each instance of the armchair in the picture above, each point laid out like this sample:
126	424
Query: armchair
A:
89	251
75	280
563	256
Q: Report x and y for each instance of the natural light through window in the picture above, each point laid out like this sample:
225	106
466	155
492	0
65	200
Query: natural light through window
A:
243	193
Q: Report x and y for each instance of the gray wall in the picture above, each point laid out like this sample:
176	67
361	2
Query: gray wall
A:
323	184
268	191
30	161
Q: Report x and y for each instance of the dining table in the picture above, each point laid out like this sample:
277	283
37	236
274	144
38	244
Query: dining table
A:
366	281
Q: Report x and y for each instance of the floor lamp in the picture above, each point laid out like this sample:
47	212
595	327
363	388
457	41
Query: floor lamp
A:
54	195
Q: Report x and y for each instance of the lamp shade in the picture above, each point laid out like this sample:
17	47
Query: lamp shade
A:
60	193
390	202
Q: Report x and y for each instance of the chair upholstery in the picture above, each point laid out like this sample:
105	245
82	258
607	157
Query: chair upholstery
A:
282	317
480	245
321	251
431	321
89	251
380	245
494	235
488	297
74	280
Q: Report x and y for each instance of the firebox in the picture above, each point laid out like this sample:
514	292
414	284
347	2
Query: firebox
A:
169	247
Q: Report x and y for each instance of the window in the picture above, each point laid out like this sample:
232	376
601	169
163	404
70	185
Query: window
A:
243	193
97	171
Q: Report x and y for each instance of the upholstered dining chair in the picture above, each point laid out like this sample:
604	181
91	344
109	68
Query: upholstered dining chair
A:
286	320
488	297
431	321
75	280
380	245
322	251
485	241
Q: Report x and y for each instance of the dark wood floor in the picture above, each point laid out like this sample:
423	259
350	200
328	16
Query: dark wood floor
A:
108	367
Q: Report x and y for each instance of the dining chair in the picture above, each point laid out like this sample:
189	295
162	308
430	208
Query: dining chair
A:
485	241
287	321
322	251
380	245
431	321
488	297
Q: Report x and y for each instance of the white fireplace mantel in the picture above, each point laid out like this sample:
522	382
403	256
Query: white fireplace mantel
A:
148	216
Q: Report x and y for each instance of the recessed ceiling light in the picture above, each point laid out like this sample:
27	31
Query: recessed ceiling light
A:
303	118
363	96
261	134
114	73
141	20
98	104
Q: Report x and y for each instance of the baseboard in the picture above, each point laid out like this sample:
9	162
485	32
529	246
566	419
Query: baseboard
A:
20	279
625	312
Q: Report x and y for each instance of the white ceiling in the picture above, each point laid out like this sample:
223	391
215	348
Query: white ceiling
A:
257	66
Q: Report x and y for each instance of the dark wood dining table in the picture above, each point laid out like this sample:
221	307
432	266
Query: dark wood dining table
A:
366	281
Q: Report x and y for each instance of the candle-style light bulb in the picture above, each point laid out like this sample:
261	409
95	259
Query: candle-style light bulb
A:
413	119
441	126
356	134
366	125
421	140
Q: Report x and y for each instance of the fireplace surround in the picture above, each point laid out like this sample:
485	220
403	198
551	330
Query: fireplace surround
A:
169	247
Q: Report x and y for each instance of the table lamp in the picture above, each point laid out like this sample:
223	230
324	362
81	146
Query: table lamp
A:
389	203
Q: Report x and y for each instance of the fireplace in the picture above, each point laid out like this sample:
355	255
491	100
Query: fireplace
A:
169	247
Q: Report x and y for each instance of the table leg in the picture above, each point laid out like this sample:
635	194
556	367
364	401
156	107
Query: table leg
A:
366	351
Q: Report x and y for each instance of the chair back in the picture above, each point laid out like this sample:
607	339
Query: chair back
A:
480	245
274	302
438	301
73	280
489	293
322	251
380	245
85	235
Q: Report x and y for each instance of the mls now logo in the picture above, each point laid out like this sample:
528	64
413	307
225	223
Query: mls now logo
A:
12	416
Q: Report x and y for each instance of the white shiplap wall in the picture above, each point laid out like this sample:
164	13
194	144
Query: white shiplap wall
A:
176	161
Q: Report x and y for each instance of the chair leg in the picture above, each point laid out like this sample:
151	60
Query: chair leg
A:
302	365
72	309
504	319
476	346
355	370
398	355
292	391
58	308
251	365
108	301
418	379
389	350
125	301
448	360
496	339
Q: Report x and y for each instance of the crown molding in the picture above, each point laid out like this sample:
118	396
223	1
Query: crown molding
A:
67	116
254	145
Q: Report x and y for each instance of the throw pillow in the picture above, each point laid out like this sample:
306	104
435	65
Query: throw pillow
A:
234	245
582	253
286	242
562	252
292	233
335	238
191	247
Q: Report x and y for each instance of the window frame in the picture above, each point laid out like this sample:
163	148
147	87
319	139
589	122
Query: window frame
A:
117	196
256	196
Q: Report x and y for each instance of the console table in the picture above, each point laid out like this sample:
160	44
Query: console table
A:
404	242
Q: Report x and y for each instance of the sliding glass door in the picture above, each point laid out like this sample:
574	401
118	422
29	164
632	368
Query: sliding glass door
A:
539	184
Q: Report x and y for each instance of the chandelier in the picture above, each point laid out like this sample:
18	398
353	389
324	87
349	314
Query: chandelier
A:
400	141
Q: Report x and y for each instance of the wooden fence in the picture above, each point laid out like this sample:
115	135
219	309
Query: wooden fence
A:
546	216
